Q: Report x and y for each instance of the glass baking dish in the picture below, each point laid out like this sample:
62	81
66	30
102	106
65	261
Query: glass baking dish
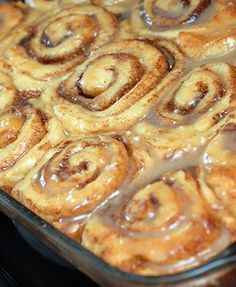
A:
101	272
106	275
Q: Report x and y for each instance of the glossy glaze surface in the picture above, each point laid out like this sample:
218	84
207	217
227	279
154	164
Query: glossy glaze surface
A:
119	134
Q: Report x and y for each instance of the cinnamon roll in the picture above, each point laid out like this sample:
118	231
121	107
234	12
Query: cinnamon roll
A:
117	85
162	228
74	178
113	133
56	42
27	131
187	117
201	28
217	174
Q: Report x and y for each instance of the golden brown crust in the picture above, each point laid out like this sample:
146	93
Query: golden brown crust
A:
217	174
129	145
11	15
190	114
74	178
201	28
40	52
181	128
27	131
157	229
120	101
8	92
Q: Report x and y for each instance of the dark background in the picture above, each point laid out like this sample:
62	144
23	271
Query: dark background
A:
22	266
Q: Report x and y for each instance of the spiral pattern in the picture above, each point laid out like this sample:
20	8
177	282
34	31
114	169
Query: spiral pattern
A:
76	177
210	87
201	28
45	51
190	114
159	14
217	174
117	85
163	228
117	125
27	131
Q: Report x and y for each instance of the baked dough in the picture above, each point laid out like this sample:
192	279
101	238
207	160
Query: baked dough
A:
199	27
118	125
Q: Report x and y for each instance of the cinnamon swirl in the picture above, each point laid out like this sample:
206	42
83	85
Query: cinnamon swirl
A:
74	178
191	113
51	45
201	28
117	85
162	228
117	125
27	131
